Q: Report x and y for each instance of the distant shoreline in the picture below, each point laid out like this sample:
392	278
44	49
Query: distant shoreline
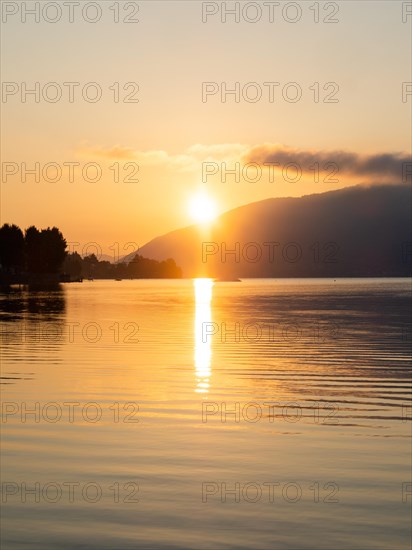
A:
47	282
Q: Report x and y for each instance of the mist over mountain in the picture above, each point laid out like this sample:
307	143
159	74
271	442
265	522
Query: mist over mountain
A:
359	231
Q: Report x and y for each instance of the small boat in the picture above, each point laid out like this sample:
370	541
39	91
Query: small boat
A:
117	279
227	280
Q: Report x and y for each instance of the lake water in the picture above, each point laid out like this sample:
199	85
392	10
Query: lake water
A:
266	414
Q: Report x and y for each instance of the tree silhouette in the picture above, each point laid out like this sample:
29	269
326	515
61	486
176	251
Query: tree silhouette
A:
11	248
45	250
55	245
73	264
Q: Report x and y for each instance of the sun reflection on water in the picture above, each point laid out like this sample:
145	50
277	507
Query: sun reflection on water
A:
203	348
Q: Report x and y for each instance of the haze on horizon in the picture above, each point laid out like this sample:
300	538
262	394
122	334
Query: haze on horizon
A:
173	130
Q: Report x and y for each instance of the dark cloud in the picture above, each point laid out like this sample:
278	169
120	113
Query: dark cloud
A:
396	167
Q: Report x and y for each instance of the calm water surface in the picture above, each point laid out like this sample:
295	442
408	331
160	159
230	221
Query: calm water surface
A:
267	414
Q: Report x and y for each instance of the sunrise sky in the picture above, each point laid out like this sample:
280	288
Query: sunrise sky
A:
170	132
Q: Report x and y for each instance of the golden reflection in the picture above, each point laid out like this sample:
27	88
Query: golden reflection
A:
203	321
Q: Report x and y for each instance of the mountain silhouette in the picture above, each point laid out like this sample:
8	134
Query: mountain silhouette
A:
360	231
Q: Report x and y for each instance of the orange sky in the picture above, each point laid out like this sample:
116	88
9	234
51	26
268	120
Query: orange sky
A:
162	141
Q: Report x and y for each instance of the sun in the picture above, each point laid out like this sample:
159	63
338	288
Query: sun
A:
202	208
